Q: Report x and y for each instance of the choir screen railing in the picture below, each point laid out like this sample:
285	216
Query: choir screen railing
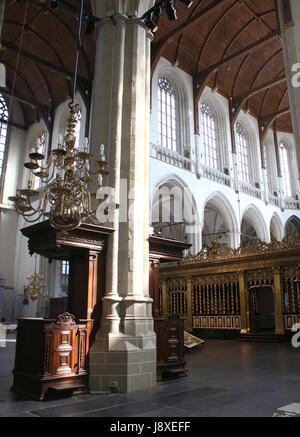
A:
290	294
177	289
216	301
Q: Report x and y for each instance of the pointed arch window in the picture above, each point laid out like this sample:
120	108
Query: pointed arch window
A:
3	134
167	129
286	173
209	136
242	148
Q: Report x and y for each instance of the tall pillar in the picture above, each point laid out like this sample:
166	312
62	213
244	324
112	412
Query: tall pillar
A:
289	18
265	184
235	172
199	155
123	356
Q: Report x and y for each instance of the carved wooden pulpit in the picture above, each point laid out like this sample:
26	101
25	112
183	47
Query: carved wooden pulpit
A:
53	354
85	249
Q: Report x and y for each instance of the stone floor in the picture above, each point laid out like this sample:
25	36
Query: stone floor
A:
226	378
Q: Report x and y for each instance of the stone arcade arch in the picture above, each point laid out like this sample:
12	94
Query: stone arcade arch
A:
253	226
292	227
174	213
219	208
276	228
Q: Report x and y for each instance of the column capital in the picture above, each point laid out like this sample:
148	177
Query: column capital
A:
126	7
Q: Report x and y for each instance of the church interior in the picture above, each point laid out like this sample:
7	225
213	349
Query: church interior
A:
149	208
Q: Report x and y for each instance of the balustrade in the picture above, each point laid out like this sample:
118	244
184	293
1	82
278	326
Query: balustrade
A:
170	157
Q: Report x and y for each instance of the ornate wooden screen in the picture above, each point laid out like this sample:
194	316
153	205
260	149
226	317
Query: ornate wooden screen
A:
177	289
216	301
290	294
218	288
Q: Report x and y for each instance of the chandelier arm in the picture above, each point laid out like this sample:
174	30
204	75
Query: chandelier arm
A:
33	220
36	210
47	163
28	214
42	202
49	179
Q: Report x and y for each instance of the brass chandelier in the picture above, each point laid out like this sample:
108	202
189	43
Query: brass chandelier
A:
34	287
65	176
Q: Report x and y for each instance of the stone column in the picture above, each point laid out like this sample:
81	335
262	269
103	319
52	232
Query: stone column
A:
265	184
235	172
279	325
289	17
123	356
199	154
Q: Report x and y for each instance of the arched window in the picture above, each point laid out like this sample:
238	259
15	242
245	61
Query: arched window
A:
3	133
285	167
209	136
167	129
242	147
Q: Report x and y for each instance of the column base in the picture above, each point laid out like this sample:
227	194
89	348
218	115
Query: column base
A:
123	364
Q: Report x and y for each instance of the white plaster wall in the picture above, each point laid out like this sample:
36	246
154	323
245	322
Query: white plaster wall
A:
203	189
8	218
16	265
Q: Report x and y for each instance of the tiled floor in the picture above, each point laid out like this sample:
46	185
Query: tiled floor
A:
226	378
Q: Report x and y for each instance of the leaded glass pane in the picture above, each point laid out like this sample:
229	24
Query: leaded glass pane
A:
209	136
286	174
242	146
167	129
